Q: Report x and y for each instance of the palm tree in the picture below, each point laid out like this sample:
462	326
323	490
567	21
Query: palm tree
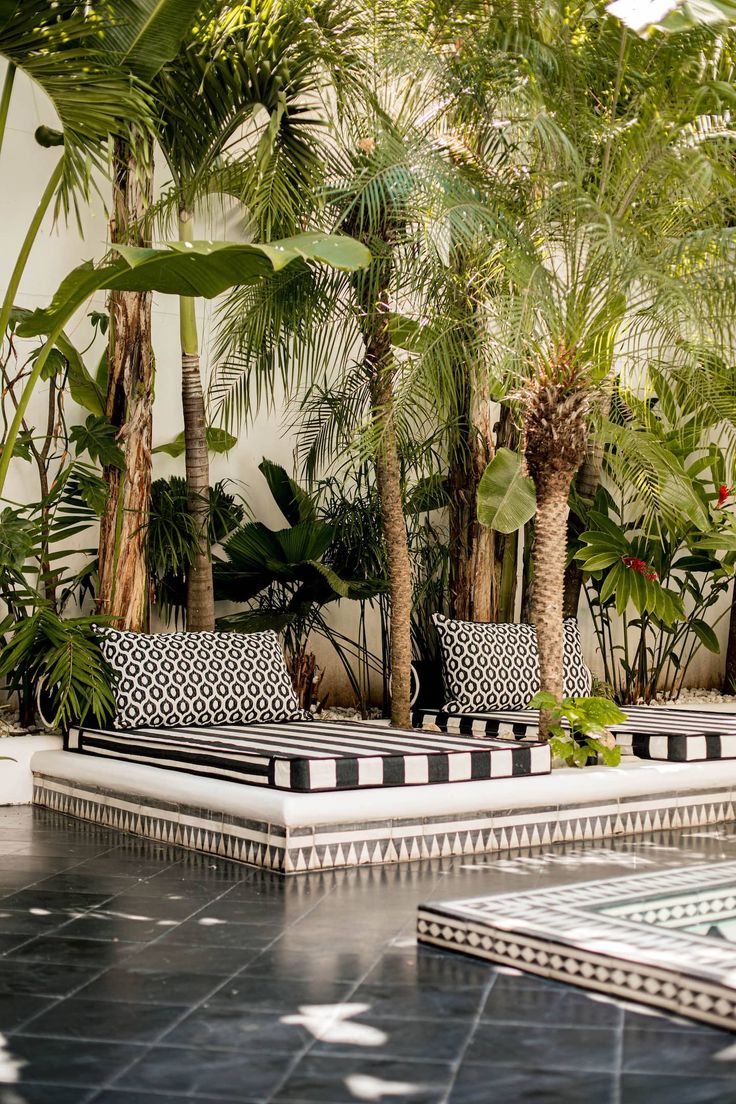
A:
389	183
623	250
148	37
235	117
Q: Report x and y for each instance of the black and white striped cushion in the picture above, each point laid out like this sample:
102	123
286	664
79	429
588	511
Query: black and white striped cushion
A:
489	666
650	732
314	756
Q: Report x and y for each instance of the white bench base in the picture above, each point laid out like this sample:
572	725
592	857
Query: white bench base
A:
292	833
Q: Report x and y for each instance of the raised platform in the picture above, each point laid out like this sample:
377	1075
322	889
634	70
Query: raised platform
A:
657	938
296	832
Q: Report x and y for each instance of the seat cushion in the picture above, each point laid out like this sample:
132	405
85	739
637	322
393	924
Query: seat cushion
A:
487	667
649	732
198	678
312	756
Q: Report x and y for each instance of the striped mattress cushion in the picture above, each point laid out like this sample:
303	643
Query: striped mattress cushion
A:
650	732
310	757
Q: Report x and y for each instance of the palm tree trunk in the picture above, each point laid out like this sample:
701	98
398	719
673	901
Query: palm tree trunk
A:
556	438
123	576
388	478
372	296
200	588
550	549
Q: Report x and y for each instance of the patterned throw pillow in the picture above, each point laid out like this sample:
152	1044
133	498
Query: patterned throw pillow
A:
198	678
496	666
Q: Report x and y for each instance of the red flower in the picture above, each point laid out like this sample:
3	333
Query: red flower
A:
641	567
723	493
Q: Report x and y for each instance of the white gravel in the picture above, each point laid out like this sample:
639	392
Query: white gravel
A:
702	699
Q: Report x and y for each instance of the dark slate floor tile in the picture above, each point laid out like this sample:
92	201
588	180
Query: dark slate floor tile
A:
65	949
216	1073
329	1080
133	904
528	1000
650	1049
117	1021
340	965
208	931
189	958
36	922
135	1096
418	966
112	924
229	909
10	941
172	889
52	979
638	1088
160	987
637	1019
54	900
54	1060
24	1092
428	1002
363	1034
545	1047
82	880
273	994
16	1009
225	1028
494	1085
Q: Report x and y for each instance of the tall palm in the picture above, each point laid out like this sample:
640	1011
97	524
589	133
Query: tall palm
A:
236	116
624	249
147	36
390	183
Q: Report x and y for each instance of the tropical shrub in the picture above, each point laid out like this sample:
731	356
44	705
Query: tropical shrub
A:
659	557
47	553
586	736
287	577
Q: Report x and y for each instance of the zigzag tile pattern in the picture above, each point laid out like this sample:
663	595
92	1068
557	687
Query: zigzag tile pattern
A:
322	847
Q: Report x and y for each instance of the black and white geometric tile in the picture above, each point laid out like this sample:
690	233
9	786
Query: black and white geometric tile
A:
323	847
597	935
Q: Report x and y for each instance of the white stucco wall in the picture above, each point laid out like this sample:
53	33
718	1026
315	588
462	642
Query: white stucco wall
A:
25	169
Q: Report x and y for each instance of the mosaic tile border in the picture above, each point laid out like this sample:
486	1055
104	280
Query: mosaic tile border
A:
561	934
326	847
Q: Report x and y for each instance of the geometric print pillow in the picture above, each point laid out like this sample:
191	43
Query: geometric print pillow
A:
198	678
489	667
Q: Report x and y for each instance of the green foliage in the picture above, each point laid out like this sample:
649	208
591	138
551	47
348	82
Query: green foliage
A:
506	496
99	439
579	729
218	440
287	577
672	569
201	269
65	655
171	538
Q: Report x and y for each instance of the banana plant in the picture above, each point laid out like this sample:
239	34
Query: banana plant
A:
193	269
286	577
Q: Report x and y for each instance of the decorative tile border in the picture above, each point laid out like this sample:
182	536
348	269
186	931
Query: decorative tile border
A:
578	934
324	847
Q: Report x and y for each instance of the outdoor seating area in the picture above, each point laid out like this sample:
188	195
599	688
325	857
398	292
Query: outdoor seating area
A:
367	552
